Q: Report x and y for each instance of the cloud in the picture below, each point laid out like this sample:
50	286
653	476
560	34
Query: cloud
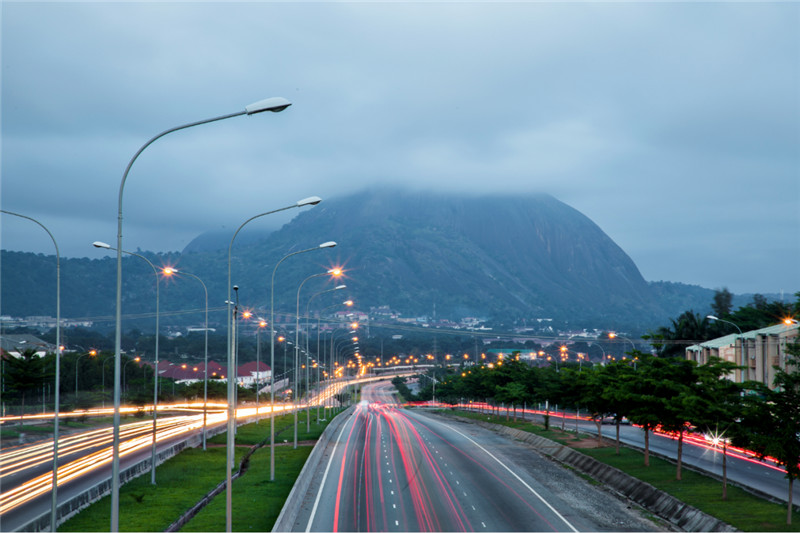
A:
651	118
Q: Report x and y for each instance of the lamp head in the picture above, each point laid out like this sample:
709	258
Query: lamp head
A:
712	317
311	200
329	244
338	287
275	104
101	244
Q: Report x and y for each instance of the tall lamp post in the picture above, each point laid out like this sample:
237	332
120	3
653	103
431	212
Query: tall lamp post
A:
329	244
261	325
313	200
275	105
335	273
321	354
169	272
90	352
54	499
100	244
741	336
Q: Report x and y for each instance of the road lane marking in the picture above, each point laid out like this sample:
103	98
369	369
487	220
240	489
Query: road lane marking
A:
487	452
325	475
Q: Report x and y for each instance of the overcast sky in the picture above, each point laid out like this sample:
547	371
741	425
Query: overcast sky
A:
674	126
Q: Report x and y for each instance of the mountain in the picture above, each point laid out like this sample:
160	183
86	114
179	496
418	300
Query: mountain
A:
500	256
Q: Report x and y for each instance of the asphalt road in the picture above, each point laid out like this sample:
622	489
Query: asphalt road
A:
391	469
743	468
84	461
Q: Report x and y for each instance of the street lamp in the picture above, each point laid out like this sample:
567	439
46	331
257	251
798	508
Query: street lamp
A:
741	335
329	244
90	352
54	499
275	105
322	359
612	335
261	325
336	272
135	359
312	200
100	244
169	272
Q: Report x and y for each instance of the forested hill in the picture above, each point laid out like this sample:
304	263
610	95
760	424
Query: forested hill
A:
490	256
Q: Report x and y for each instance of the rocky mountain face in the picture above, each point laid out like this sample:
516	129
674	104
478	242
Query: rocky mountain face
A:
501	257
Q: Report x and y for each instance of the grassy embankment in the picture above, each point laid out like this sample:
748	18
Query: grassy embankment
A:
190	475
742	509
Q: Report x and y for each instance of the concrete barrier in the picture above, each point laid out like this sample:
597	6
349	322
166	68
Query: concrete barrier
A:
671	509
291	508
68	508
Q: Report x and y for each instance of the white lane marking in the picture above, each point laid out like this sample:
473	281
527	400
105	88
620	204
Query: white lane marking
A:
394	506
473	507
325	475
487	452
396	523
484	525
392	492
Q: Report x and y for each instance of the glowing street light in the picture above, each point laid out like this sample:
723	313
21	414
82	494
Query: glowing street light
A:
156	271
328	244
275	105
168	271
336	272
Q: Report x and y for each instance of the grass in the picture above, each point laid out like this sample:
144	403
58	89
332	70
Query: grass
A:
257	501
182	482
742	510
186	478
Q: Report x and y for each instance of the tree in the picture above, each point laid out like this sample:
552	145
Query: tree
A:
722	303
25	374
650	390
772	419
688	328
589	386
716	407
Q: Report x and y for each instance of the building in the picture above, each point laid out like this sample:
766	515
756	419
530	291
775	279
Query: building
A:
14	345
758	351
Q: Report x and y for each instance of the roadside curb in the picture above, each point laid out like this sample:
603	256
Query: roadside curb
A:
665	506
292	505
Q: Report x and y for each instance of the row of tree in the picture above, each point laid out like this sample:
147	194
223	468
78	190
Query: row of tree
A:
670	394
87	381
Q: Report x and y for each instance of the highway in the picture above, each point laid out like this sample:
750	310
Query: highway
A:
26	471
743	467
391	469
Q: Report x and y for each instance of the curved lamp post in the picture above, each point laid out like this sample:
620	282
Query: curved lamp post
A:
54	504
320	356
90	352
335	273
313	200
169	272
741	374
329	244
100	244
275	105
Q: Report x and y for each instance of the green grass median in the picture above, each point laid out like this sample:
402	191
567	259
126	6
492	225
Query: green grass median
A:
184	479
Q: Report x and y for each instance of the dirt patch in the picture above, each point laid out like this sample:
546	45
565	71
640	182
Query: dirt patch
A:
587	443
